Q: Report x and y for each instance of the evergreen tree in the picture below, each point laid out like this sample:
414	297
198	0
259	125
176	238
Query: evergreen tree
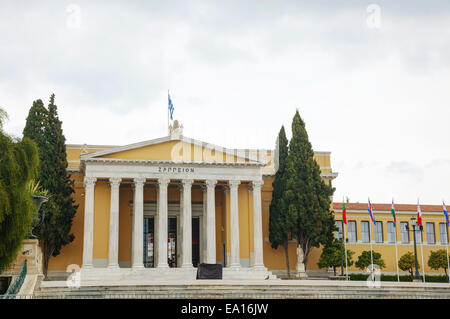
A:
364	260
35	127
281	223
331	256
3	118
438	259
59	211
18	167
406	263
307	195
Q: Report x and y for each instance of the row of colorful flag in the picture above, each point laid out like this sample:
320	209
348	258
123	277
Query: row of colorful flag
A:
372	217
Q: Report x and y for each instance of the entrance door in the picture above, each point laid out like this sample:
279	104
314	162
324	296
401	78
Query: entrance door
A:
149	228
195	241
172	242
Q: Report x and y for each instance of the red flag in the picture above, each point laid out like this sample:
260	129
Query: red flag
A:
344	213
419	214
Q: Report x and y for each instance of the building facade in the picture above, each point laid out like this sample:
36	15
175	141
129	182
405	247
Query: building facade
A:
161	207
393	242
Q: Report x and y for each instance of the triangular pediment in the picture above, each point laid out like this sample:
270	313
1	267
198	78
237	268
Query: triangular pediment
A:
175	149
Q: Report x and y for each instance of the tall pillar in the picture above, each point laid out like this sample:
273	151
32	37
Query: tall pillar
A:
113	249
186	249
234	224
138	224
257	226
210	222
161	239
88	240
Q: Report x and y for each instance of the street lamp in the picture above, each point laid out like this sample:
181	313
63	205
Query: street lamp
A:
416	264
342	251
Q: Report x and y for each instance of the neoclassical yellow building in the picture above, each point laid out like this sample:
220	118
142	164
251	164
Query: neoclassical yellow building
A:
158	208
393	242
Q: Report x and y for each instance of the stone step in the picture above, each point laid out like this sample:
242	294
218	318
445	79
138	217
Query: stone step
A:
241	291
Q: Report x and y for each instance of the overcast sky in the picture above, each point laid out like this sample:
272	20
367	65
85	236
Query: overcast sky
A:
372	83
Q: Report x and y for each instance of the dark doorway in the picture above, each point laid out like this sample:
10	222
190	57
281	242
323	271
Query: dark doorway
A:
149	230
195	241
172	242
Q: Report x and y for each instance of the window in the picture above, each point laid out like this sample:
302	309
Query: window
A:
404	233
338	233
443	233
379	232
391	232
352	231
365	232
430	233
418	234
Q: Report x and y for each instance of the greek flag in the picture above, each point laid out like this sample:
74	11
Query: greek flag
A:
171	108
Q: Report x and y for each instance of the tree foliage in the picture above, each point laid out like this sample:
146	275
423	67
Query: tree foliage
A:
332	256
45	128
307	196
281	221
406	263
438	260
18	167
364	260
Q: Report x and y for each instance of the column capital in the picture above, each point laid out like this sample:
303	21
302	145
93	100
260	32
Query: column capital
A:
187	182
139	181
163	182
234	184
115	181
89	181
211	183
257	184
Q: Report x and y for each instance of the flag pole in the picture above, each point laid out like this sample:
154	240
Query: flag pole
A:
370	236
396	253
345	247
423	265
396	248
448	262
168	97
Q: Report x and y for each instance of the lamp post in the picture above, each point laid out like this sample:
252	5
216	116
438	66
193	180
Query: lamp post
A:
342	251
416	264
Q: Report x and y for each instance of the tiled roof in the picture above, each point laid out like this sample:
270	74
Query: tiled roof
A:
387	207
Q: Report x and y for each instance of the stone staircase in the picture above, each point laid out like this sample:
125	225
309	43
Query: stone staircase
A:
257	289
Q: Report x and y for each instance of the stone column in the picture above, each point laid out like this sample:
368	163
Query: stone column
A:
88	240
257	226
138	224
113	249
210	222
186	249
234	224
161	239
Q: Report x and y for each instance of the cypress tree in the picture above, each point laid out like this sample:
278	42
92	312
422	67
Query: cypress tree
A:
307	195
59	211
18	167
281	222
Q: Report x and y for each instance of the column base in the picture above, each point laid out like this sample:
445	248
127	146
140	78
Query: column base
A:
187	266
87	266
139	266
113	266
235	266
162	266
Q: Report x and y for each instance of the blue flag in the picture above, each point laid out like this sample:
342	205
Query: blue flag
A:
171	108
445	213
